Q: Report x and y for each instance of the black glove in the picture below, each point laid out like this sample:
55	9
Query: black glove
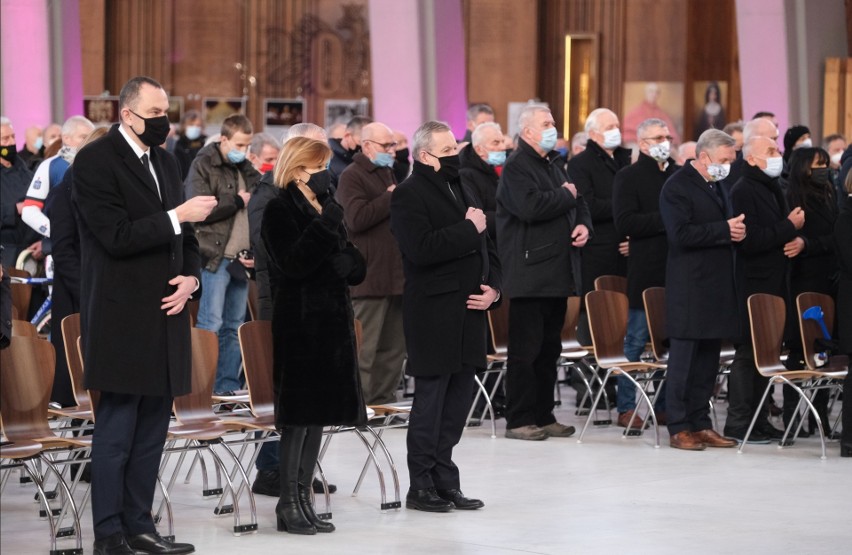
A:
343	264
332	213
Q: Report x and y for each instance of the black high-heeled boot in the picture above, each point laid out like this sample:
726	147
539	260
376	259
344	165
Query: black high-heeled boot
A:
307	464
289	512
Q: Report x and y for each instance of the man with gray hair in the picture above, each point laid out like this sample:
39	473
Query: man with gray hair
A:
542	222
15	236
701	288
758	127
481	164
592	172
305	129
263	152
452	276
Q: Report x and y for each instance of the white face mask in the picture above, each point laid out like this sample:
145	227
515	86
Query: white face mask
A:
807	143
835	158
718	172
612	138
660	151
774	166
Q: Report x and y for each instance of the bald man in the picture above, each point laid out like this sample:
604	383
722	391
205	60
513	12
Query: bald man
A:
364	190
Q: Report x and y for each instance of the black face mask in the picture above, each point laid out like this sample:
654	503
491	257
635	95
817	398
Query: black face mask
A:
319	183
9	153
820	176
402	155
449	170
156	130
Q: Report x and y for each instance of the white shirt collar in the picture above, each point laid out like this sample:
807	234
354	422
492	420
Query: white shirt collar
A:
136	149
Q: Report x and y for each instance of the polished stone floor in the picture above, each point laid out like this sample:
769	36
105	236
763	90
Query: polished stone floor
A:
609	494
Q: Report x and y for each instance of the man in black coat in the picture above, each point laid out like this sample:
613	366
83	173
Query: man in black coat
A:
140	265
5	308
15	235
593	171
763	260
636	210
480	162
344	149
843	244
452	276
542	222
701	290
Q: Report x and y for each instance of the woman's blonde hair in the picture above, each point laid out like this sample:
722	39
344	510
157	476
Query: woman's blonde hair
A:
296	154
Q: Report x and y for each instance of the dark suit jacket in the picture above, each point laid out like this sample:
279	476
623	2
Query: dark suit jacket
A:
843	244
5	310
444	260
636	209
129	253
701	290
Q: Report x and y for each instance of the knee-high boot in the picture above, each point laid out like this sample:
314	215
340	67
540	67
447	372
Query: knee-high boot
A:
307	464
289	511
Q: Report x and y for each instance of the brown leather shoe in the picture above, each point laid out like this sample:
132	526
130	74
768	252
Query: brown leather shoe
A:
712	439
686	440
624	419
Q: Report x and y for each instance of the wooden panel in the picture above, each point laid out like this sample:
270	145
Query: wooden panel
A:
847	108
93	51
833	96
654	52
501	53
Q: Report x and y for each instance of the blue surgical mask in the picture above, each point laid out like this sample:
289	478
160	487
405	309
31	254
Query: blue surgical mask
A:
383	160
548	139
563	152
236	156
612	138
774	166
497	157
39	142
192	132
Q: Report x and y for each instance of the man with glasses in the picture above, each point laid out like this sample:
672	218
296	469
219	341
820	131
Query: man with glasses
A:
364	191
452	276
636	211
542	222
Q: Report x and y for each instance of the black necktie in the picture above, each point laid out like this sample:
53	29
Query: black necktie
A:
145	162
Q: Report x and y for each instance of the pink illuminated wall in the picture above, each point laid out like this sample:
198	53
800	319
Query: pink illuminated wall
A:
25	48
450	76
72	64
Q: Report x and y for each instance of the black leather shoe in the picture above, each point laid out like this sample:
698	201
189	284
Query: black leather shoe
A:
459	500
115	544
845	450
267	482
770	431
155	543
317	487
427	500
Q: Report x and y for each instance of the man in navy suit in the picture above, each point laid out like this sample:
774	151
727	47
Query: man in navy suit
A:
701	287
140	265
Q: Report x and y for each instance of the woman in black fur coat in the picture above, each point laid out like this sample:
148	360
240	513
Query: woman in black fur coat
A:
315	366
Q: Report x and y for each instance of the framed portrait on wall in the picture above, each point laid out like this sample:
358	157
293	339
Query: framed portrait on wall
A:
342	110
101	109
652	99
175	109
280	113
710	99
216	109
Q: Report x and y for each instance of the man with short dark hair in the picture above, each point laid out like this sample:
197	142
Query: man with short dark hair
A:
701	290
221	169
477	113
139	267
190	140
344	149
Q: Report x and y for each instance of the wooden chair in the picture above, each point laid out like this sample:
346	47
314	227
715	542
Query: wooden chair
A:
767	315
253	303
574	356
70	328
21	293
26	377
498	322
202	429
611	283
607	311
24	328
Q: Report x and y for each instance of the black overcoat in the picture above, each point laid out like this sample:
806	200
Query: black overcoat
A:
129	252
701	286
315	368
444	260
843	244
481	178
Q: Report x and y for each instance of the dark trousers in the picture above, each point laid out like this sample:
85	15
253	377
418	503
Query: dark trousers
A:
535	343
441	404
691	377
846	438
745	389
126	450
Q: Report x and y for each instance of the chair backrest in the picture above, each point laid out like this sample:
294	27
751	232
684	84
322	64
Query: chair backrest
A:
26	378
24	328
359	335
252	299
569	327
611	283
607	312
810	329
196	406
256	348
498	321
766	315
655	314
70	334
21	292
193	307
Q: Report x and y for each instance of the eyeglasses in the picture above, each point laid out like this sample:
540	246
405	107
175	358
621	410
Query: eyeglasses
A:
385	146
659	138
